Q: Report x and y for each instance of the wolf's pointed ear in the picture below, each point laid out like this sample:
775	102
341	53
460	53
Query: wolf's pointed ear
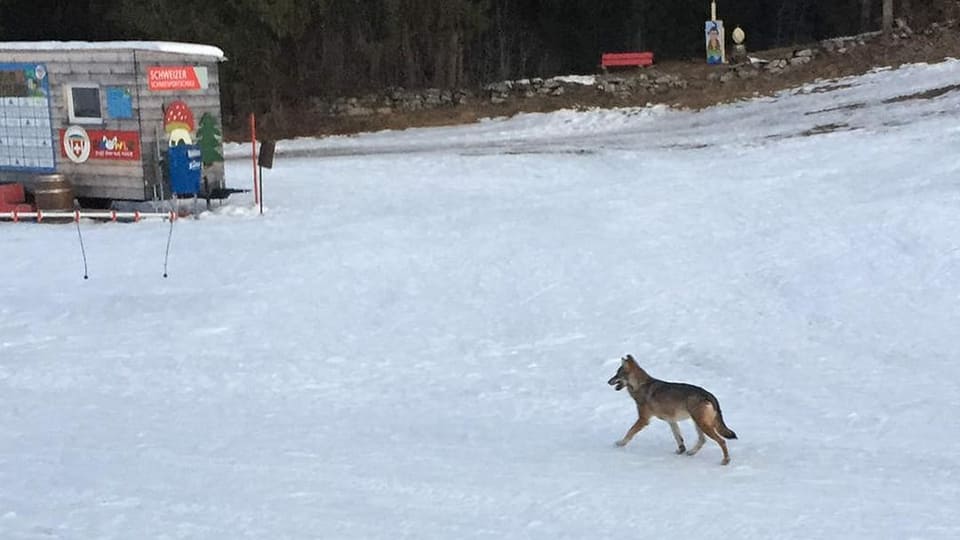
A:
629	358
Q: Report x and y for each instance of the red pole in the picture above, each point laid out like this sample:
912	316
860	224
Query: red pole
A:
253	153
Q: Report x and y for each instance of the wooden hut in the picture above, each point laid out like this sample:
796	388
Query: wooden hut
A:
105	114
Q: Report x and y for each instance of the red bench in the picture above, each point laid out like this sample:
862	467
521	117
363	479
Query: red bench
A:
12	197
11	193
642	59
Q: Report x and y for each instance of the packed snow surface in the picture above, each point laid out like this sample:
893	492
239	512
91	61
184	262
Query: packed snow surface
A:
414	340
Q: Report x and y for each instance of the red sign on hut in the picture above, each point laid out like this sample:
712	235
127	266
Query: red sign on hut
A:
161	78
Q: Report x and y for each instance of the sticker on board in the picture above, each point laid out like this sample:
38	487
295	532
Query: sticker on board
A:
119	102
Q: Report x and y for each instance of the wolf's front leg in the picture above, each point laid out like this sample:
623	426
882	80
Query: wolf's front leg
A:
678	437
634	429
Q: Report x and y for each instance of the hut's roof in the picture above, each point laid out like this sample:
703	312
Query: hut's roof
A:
159	46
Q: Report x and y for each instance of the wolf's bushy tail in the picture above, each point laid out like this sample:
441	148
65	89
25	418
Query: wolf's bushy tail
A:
722	428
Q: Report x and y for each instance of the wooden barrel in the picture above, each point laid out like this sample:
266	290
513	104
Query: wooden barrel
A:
52	192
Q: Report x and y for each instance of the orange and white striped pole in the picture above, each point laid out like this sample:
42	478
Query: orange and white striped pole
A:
253	154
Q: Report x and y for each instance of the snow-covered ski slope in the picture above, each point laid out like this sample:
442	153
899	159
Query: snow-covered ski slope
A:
414	342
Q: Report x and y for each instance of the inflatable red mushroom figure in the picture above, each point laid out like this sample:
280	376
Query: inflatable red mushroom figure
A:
178	123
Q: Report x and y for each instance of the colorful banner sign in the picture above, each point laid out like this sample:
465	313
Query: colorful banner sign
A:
171	78
26	143
714	35
78	144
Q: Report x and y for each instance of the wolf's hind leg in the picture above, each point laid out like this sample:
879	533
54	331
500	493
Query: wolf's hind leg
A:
706	419
678	437
701	439
723	445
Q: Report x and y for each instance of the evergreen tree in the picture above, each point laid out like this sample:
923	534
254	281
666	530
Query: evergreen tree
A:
208	138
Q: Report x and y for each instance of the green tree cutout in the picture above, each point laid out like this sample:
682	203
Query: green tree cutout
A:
208	137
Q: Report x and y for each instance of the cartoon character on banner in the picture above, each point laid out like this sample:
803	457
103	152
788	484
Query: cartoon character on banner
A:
714	39
114	144
178	123
36	83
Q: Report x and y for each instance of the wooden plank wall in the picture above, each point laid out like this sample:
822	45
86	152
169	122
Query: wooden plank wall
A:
114	179
95	178
152	105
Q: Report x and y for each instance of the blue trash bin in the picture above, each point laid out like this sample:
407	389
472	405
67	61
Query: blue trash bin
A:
185	167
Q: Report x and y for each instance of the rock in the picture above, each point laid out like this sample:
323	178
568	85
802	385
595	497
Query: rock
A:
902	26
728	76
359	111
497	100
319	104
431	97
502	87
558	91
777	65
608	87
803	53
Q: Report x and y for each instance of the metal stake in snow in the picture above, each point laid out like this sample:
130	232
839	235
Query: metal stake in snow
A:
83	252
166	256
253	154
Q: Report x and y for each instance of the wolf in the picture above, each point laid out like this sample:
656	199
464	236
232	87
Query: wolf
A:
672	402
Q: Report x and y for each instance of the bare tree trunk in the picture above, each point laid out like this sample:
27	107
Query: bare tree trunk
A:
411	76
452	78
639	38
865	6
887	16
905	9
503	48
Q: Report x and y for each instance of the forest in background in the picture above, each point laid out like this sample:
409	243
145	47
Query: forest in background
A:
283	51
